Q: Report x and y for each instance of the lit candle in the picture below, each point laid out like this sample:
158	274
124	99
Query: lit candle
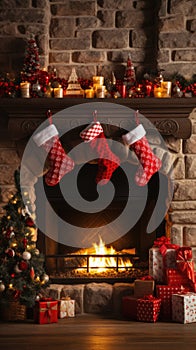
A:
58	92
25	89
158	92
89	93
100	93
98	80
166	88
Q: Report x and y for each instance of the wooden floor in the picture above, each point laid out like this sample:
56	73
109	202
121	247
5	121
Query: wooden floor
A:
90	332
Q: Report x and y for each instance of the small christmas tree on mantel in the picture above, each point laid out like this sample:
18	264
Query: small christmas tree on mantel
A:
31	65
22	273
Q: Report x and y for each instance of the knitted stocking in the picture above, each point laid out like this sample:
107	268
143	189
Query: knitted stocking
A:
150	164
108	161
60	163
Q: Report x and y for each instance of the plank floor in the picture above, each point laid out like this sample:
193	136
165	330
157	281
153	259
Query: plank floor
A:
93	332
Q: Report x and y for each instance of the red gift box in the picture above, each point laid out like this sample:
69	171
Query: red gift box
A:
46	311
176	278
165	294
129	307
148	309
185	264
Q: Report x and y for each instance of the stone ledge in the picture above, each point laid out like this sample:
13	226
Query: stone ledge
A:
98	298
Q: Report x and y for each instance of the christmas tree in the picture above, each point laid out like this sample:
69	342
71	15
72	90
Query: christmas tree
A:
129	76
22	274
31	64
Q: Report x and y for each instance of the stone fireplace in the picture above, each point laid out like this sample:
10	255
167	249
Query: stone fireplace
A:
175	119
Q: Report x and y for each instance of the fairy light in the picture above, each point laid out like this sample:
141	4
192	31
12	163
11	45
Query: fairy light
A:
10	286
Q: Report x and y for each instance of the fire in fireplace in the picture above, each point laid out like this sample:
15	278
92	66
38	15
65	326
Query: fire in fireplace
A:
99	263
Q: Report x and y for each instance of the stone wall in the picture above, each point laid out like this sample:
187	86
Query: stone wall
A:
182	213
95	36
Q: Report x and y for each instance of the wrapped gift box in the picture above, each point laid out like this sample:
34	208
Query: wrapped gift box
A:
185	264
129	307
174	277
148	309
184	307
46	311
165	294
158	263
66	308
143	287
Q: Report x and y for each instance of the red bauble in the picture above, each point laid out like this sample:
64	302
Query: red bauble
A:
9	233
10	252
24	241
29	222
16	294
23	265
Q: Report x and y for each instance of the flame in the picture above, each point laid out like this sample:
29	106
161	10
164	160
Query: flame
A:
101	264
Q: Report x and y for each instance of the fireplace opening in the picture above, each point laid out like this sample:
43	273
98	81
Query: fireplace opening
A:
70	264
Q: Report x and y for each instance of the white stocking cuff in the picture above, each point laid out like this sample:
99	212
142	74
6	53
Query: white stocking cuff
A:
134	135
45	135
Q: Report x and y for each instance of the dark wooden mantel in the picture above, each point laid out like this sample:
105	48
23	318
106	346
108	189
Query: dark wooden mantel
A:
20	117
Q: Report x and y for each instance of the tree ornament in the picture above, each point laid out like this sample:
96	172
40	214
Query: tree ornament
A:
29	222
45	278
60	163
32	273
36	251
25	241
16	269
108	162
26	255
10	252
2	286
23	266
9	233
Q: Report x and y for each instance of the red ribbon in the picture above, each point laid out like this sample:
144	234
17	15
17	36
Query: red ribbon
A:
147	278
184	262
149	297
163	243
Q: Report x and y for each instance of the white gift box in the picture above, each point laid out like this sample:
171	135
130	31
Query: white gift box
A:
66	308
158	263
184	307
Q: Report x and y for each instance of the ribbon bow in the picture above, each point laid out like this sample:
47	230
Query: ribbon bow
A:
184	262
163	243
149	297
147	278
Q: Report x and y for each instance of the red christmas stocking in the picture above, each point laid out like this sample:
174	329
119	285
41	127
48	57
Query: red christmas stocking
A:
60	163
150	164
108	161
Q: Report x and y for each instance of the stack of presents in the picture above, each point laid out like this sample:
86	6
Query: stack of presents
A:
48	310
168	293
